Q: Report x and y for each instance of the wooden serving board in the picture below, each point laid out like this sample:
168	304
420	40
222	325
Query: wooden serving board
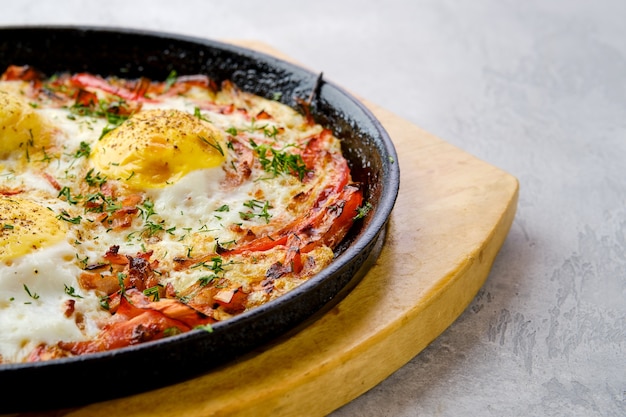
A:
452	215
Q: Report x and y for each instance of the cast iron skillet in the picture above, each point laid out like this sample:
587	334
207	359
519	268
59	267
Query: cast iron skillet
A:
130	53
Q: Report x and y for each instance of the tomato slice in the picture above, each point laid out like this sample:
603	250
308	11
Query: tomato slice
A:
326	225
138	320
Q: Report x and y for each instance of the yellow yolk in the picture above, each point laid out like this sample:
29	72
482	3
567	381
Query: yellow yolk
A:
26	226
155	148
20	126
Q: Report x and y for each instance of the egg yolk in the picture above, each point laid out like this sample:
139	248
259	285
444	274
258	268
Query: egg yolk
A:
20	126
155	148
26	226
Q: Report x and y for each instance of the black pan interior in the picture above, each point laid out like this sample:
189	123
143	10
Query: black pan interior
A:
130	53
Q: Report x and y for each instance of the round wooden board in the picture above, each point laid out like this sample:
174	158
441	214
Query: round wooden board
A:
451	217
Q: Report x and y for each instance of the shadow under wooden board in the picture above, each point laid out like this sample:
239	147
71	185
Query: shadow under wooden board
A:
452	216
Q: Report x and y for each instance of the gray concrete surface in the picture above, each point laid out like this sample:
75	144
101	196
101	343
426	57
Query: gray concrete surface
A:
537	88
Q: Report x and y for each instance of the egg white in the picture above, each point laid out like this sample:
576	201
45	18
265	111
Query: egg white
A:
32	302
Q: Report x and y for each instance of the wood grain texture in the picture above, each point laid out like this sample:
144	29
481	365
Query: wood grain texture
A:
451	217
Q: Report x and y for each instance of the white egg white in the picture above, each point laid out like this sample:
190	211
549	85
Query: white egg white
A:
34	290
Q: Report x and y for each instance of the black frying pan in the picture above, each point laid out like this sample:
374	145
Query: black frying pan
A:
76	381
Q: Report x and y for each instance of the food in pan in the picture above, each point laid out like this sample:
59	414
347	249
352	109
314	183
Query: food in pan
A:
133	209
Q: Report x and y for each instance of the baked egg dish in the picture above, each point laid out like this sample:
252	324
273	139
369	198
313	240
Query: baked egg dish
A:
133	210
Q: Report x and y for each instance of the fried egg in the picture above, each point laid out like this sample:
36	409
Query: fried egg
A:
20	126
155	148
37	279
25	227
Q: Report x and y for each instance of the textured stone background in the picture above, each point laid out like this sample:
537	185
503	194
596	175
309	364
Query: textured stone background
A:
537	88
